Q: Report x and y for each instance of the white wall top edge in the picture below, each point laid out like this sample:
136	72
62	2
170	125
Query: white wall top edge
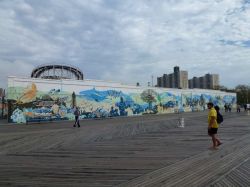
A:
102	83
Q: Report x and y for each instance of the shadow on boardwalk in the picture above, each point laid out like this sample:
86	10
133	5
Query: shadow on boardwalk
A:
139	151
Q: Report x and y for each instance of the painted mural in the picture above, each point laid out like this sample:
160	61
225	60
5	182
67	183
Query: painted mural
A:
3	108
40	102
3	104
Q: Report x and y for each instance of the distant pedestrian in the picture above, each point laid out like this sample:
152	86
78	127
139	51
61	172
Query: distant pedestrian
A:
213	125
226	108
229	107
238	108
77	114
245	107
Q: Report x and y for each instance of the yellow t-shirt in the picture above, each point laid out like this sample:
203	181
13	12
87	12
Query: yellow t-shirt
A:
212	113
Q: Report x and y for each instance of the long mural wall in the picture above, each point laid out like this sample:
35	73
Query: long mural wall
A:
46	100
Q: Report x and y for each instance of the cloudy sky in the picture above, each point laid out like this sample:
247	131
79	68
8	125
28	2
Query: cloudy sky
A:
127	40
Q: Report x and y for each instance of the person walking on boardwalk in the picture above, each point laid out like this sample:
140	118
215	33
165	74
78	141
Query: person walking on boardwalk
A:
213	125
238	108
245	107
77	114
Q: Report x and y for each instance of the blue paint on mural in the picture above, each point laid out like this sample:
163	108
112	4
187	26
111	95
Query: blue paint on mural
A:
229	99
18	116
94	95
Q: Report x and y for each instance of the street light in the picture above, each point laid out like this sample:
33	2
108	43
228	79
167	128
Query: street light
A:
248	105
248	92
3	103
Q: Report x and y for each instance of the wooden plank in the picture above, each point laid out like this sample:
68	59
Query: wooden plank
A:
112	152
200	170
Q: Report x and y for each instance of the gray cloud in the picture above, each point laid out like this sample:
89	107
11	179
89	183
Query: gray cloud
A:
127	41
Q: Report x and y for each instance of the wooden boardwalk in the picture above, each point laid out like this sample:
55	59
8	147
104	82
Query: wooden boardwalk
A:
138	151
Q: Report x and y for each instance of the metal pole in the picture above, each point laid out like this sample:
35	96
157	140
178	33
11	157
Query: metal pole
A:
248	109
152	80
247	93
3	95
2	106
181	122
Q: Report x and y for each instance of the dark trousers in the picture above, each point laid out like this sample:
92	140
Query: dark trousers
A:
77	121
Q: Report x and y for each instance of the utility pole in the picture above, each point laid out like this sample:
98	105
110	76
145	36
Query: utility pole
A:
248	107
152	80
3	103
248	93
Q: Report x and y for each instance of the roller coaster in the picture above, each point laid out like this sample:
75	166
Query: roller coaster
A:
57	71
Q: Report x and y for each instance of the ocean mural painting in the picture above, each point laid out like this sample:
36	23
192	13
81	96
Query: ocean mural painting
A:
33	100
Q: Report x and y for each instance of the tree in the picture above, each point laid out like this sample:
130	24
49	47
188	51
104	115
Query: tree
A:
222	88
149	96
73	99
243	93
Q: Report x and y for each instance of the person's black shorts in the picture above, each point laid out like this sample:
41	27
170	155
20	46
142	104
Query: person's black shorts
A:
212	131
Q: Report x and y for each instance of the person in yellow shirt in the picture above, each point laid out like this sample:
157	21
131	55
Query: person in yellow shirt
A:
213	125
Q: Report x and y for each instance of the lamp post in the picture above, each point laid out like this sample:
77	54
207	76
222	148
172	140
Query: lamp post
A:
248	105
152	80
247	92
181	122
3	106
3	103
